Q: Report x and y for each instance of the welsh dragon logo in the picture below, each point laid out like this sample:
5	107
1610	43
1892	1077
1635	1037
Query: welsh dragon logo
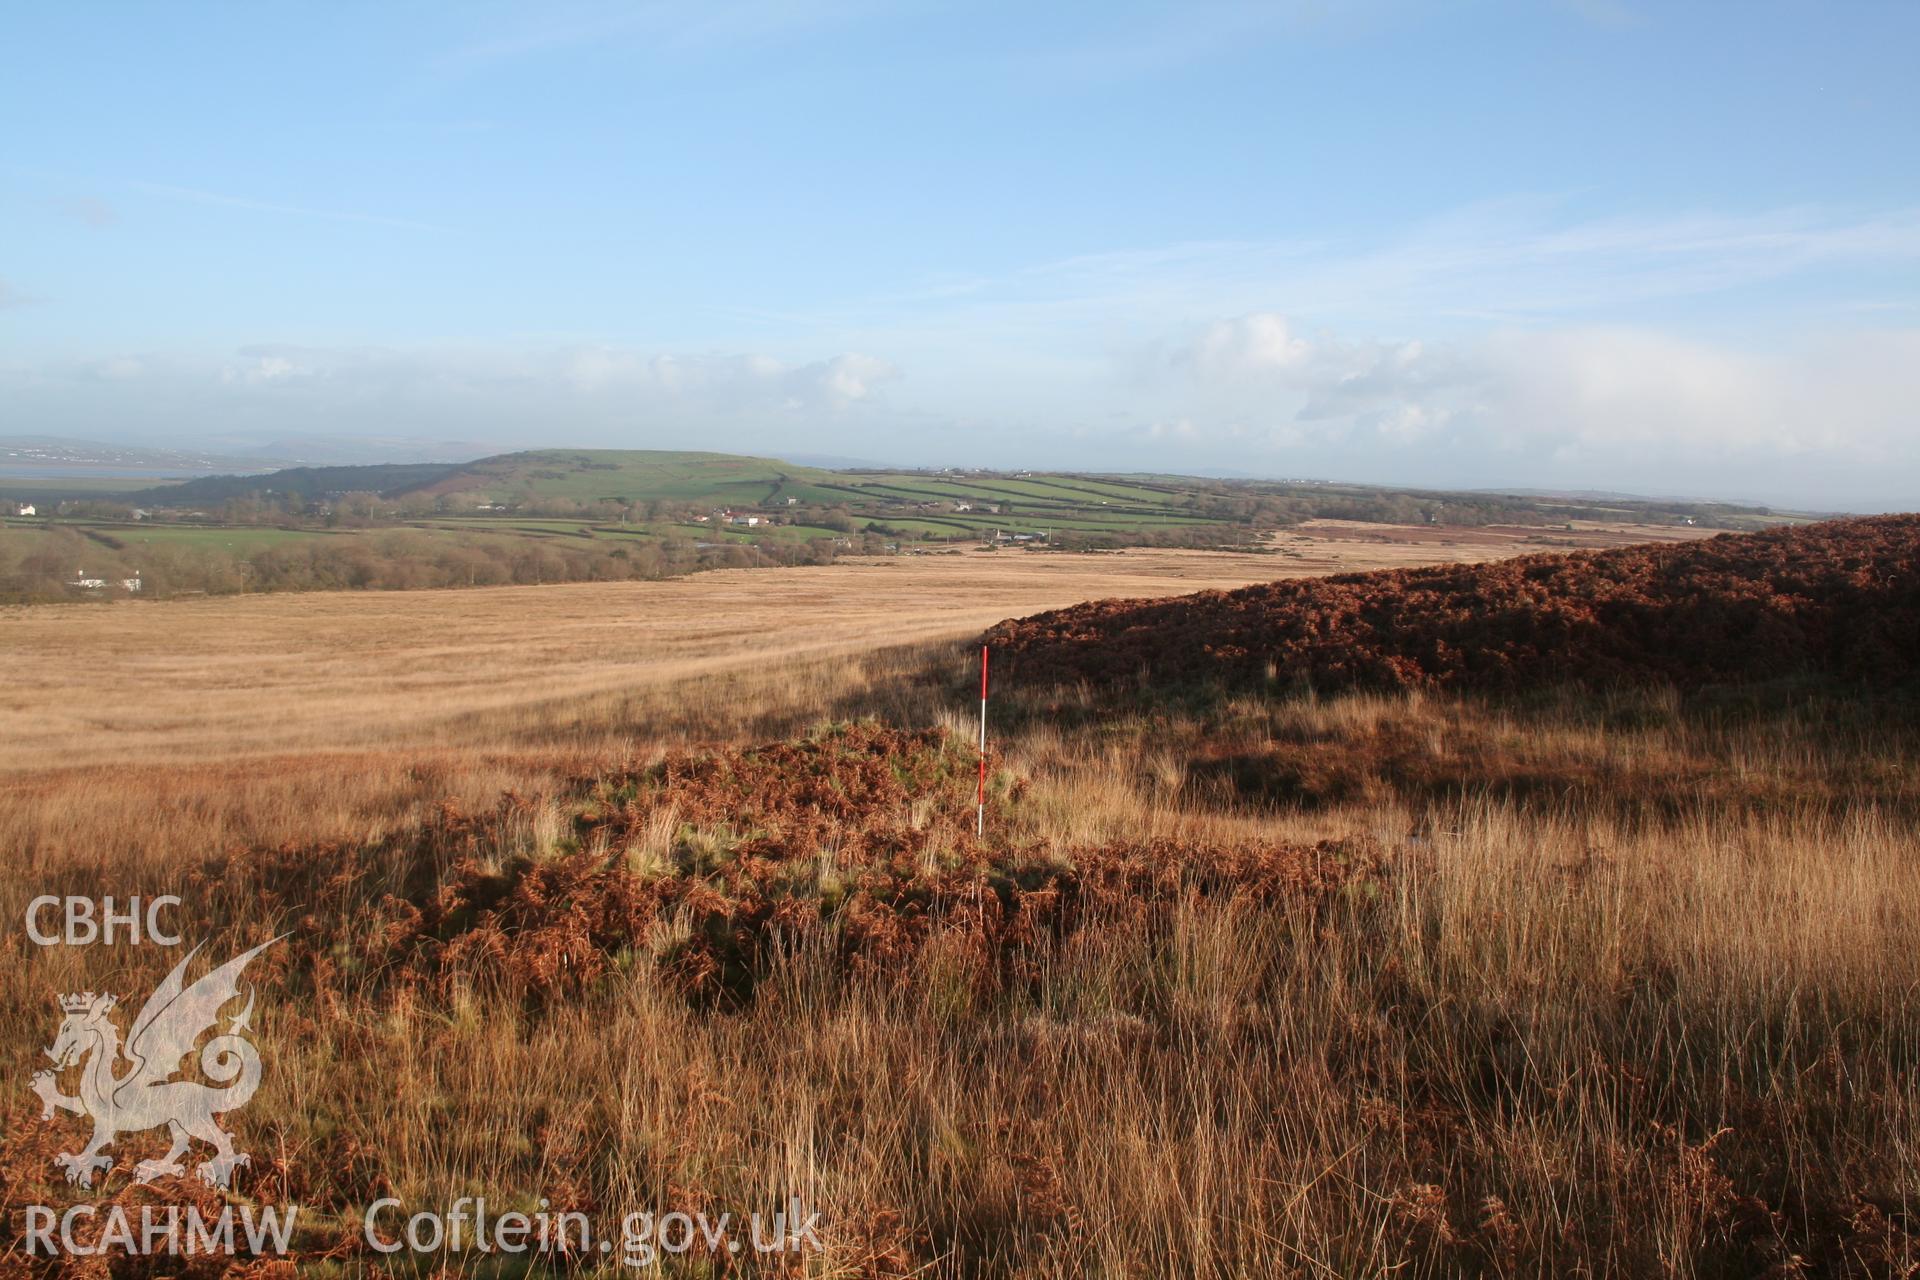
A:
145	1095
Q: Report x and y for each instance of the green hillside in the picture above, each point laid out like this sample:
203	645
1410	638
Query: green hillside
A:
711	500
923	505
631	475
561	515
302	482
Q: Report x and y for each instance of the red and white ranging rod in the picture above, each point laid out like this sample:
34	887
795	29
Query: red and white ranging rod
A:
980	828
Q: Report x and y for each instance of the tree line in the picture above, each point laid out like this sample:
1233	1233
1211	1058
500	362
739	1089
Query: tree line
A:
40	566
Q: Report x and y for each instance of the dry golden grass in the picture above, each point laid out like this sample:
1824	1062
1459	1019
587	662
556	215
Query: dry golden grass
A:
159	729
205	679
295	673
1547	1040
1560	1031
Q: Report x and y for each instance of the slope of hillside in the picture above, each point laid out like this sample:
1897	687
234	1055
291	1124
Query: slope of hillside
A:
1840	598
307	483
1053	510
632	475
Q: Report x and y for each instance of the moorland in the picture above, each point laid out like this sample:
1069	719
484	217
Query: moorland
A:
1267	964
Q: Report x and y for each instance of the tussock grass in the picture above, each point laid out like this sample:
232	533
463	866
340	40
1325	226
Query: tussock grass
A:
1624	985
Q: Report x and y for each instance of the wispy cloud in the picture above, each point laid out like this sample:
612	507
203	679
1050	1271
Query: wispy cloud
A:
1567	397
617	394
196	196
87	210
1500	263
1141	45
672	25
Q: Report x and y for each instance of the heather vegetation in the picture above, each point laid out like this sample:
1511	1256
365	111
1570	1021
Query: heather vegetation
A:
1839	599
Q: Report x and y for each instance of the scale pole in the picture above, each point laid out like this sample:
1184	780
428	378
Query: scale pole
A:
980	826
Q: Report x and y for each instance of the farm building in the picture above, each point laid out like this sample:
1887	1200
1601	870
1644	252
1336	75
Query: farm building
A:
81	580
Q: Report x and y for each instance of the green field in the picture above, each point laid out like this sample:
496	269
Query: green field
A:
44	488
126	537
665	504
510	526
528	487
923	504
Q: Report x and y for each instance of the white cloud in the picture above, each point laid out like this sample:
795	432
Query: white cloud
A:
1179	429
1502	344
1259	357
260	368
1671	410
576	395
1594	393
1612	389
1251	344
834	383
853	377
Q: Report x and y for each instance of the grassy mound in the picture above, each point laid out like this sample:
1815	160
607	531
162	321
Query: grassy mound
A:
1837	599
715	870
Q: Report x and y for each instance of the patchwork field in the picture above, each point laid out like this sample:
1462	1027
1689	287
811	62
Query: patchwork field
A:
563	515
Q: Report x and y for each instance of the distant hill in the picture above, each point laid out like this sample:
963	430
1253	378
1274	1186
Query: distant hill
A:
305	482
671	492
1841	598
533	476
632	475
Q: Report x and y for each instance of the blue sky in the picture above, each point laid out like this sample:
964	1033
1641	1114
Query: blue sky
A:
1607	244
